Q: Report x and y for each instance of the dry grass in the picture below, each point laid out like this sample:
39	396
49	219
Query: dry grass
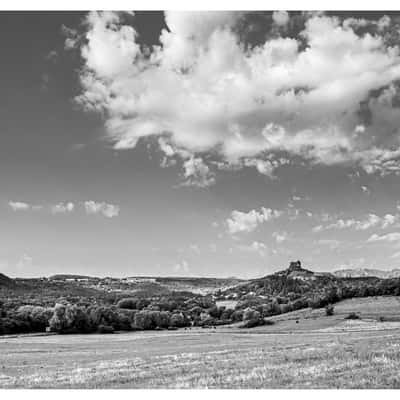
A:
350	354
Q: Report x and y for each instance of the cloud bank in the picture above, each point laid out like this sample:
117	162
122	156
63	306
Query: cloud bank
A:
328	94
90	207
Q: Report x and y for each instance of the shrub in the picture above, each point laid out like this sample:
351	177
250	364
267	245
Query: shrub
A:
250	314
104	316
11	325
145	320
227	314
205	302
105	329
128	303
215	312
179	320
70	319
352	315
315	303
329	310
35	316
196	311
123	320
252	323
210	321
237	315
162	319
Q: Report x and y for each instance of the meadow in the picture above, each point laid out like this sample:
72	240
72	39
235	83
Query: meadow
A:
303	349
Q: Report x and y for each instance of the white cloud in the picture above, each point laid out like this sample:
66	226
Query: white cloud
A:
182	267
197	173
19	206
395	255
194	248
107	210
265	167
365	190
317	228
62	208
280	237
371	221
256	247
247	222
210	94
389	237
281	18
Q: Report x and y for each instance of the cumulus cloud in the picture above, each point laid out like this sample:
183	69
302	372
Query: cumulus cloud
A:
281	18
107	210
280	237
365	190
197	173
371	221
248	221
19	206
327	96
90	206
62	208
389	237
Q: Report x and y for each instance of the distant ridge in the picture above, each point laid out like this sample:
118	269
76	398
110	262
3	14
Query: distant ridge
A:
6	281
69	276
367	272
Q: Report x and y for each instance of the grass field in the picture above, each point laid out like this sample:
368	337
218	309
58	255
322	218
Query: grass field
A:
315	352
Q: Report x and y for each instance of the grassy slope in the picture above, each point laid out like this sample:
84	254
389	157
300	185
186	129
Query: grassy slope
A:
342	354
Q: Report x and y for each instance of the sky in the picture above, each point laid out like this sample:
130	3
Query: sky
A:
198	143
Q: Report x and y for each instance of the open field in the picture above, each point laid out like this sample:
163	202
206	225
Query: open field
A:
315	352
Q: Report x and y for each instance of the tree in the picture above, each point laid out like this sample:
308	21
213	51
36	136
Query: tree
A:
250	313
329	310
37	317
70	319
128	303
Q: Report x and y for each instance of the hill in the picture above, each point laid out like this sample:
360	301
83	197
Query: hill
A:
6	281
296	287
63	277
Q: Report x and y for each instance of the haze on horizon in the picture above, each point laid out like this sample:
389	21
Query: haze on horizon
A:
198	143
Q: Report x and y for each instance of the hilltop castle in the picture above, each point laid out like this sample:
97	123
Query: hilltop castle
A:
295	266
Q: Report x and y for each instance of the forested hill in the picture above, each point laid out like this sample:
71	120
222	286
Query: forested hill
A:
297	288
6	281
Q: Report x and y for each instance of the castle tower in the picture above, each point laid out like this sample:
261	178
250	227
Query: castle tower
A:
295	266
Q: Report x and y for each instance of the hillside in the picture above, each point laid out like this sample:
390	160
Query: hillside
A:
62	277
365	272
5	281
296	287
